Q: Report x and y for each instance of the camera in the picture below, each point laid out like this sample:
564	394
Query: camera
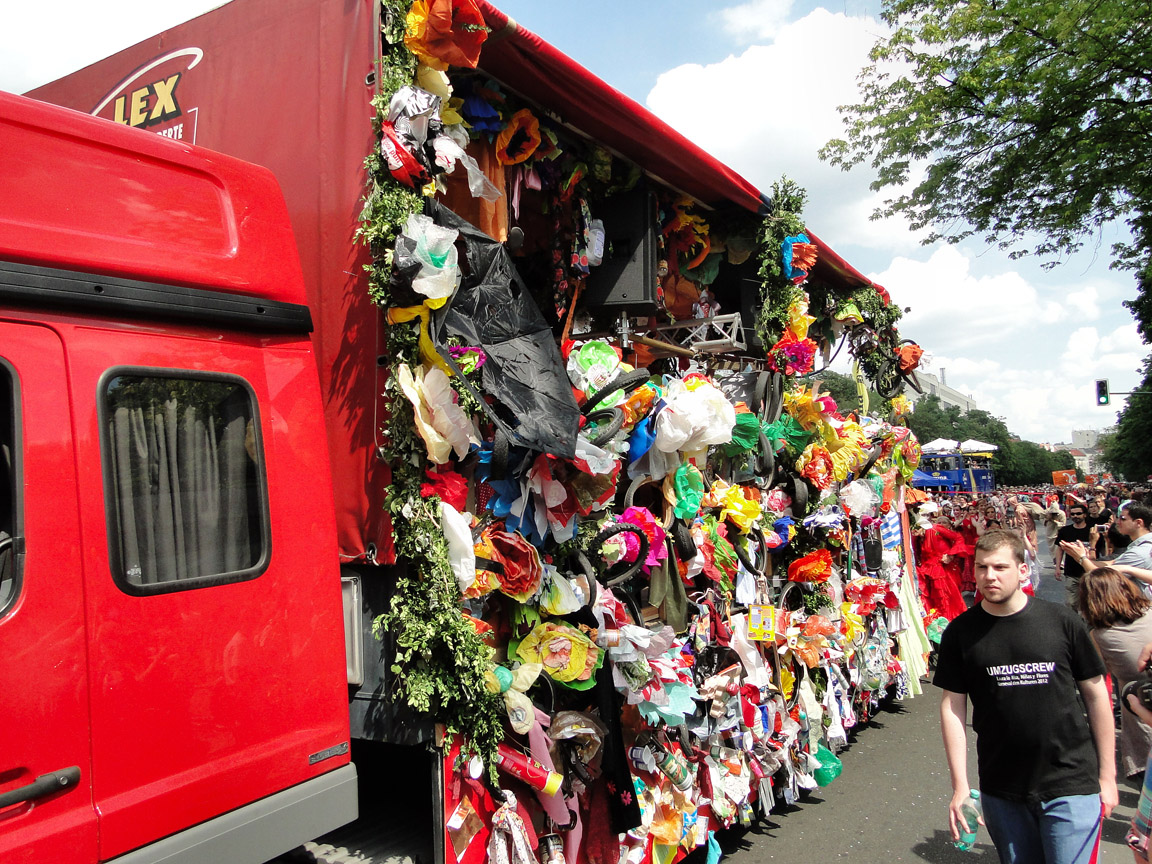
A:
1142	687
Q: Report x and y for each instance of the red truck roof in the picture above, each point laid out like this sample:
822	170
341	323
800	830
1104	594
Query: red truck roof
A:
83	194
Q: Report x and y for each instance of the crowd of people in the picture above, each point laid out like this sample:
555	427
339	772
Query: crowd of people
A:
1044	678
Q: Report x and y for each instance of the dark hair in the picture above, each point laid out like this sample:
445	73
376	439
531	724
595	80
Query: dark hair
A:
1141	511
992	540
1107	597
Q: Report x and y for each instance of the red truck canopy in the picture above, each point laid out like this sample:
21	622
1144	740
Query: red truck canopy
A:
539	71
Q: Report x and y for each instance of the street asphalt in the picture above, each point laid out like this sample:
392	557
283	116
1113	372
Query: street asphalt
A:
891	802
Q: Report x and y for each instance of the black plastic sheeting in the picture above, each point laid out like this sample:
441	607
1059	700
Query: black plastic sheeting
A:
524	373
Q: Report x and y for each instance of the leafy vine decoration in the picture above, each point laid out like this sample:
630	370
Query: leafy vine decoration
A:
440	660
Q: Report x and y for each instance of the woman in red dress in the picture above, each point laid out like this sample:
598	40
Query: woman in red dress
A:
941	553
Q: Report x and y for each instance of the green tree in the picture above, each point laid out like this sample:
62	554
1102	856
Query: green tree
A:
1128	452
842	388
932	419
1028	117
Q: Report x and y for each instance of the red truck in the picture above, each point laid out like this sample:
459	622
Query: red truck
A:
185	692
168	563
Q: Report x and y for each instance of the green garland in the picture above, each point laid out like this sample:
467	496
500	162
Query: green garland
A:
778	291
440	660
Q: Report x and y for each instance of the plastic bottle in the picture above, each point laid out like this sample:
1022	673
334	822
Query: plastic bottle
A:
970	811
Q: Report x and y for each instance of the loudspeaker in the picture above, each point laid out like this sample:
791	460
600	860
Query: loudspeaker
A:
749	306
627	276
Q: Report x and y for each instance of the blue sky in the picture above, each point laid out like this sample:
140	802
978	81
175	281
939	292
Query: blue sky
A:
757	84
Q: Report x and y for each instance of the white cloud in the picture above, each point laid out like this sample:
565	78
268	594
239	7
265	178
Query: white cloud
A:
768	111
943	292
1084	305
759	19
82	33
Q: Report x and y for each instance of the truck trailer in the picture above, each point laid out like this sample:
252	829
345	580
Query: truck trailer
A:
193	357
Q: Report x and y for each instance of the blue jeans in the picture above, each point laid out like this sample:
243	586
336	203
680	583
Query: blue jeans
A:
1060	831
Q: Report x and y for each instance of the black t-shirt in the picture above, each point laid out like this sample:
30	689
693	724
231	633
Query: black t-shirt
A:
1101	519
1070	534
1033	742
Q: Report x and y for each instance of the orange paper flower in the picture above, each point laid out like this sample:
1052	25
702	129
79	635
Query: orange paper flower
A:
519	139
445	33
813	567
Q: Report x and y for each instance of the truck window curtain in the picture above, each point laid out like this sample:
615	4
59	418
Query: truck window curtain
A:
184	477
8	573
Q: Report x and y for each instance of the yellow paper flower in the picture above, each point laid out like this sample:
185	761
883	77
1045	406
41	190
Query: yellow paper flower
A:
901	405
741	510
851	624
798	318
565	653
801	405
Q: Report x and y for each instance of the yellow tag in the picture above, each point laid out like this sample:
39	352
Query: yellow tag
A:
762	623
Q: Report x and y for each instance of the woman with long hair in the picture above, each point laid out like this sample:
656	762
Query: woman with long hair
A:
1120	618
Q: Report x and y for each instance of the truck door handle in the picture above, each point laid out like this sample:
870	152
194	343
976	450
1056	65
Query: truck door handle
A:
45	784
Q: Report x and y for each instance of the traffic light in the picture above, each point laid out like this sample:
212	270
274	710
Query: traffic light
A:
1102	397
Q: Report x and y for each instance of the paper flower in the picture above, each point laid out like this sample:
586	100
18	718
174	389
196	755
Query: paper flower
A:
523	569
792	356
797	254
519	139
742	510
468	358
566	655
646	522
446	484
514	684
443	33
814	567
798	318
815	464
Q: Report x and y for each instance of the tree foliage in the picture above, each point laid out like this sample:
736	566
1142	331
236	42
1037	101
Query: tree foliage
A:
1016	462
1026	116
1128	453
842	389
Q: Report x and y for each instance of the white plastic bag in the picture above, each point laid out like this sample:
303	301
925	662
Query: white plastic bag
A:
437	254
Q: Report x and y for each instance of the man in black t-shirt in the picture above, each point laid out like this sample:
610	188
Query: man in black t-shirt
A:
1047	771
1078	529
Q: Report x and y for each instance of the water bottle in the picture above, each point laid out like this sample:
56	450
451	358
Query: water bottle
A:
970	813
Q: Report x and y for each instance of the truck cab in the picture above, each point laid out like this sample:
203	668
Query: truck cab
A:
174	678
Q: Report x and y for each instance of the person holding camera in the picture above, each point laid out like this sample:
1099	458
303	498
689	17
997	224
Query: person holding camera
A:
1134	522
1119	619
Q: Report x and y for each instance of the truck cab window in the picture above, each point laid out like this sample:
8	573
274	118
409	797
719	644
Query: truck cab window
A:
8	570
184	482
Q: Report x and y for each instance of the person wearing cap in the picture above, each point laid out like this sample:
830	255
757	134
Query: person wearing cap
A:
1047	766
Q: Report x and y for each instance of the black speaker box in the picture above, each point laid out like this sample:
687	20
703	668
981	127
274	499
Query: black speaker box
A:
627	276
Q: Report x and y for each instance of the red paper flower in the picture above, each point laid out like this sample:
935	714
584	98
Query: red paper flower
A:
813	567
449	486
445	33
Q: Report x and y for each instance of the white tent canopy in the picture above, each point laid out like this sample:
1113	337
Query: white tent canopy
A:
941	445
974	446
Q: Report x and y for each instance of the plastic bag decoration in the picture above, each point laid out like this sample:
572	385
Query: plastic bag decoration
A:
524	372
